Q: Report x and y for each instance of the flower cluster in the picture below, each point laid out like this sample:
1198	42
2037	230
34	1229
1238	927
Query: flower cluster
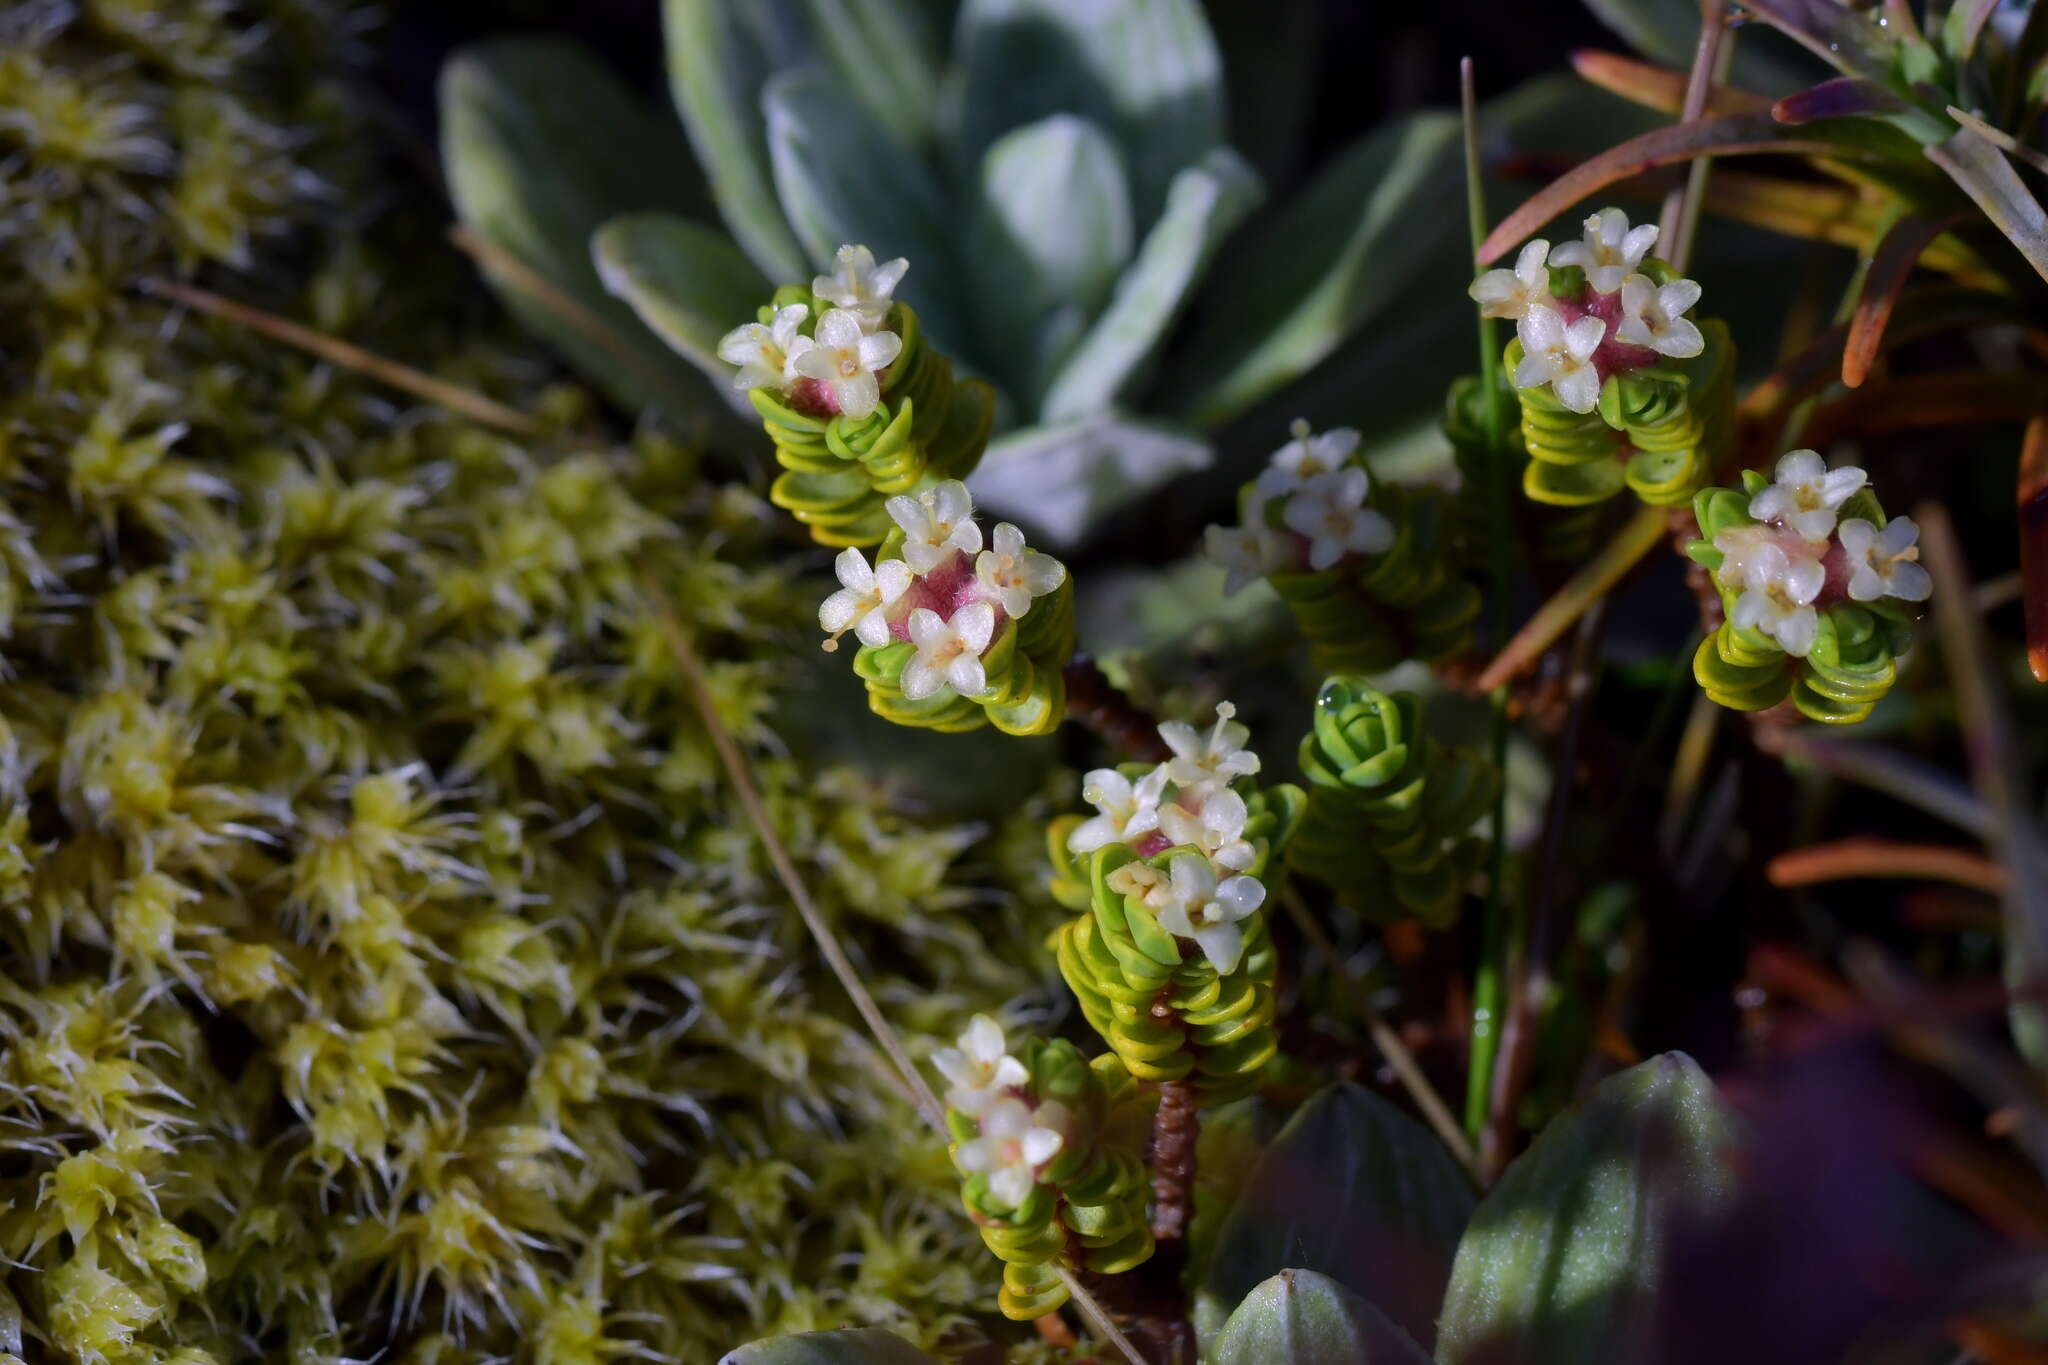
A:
1014	1138
955	632
837	367
859	407
1307	509
1186	802
1565	336
1048	1147
1170	956
1326	535
1808	567
1599	326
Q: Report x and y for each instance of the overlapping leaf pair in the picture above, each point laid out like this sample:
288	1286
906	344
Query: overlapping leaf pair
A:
1167	1010
903	426
1390	809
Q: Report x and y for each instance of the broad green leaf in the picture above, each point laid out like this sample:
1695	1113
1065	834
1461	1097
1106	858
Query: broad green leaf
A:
1050	229
865	1346
1204	204
1303	1318
687	282
1147	70
542	144
1320	266
1563	1257
1061	480
843	179
1354	1189
721	53
888	56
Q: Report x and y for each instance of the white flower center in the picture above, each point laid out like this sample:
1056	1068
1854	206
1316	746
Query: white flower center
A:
849	364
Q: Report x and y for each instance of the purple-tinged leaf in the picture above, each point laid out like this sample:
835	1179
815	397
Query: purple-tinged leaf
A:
1989	179
1842	38
1959	32
1841	97
1890	266
1726	135
1655	87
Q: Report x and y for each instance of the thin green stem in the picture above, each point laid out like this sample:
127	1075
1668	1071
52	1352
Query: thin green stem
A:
1488	982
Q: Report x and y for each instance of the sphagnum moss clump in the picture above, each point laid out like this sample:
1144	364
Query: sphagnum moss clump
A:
383	967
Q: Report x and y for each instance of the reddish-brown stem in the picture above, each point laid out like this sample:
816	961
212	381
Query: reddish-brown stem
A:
1174	1128
1093	701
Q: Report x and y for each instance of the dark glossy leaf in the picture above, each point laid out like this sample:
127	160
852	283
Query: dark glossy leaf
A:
1354	1189
1563	1257
1303	1318
866	1346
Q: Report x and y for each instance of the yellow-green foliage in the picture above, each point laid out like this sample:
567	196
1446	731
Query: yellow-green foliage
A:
384	967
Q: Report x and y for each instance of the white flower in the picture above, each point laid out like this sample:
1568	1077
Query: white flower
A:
847	358
1207	911
1656	318
1305	457
1777	598
1010	575
980	1069
862	603
1739	547
1807	493
1218	758
1014	1143
1609	251
1560	356
1126	809
948	651
1885	561
1215	825
766	354
936	525
1141	882
1330	511
1511	293
1247	553
860	286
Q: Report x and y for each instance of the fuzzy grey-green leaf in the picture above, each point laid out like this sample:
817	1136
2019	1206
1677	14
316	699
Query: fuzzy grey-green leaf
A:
688	282
1147	70
843	179
1062	480
1050	229
887	54
1205	203
1352	1188
866	1346
1322	267
1303	1318
543	144
1562	1261
721	53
